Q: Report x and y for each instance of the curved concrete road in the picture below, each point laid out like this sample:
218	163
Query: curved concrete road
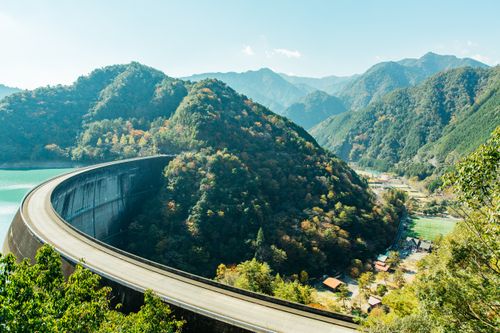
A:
238	310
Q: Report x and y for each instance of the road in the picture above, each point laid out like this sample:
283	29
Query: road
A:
240	310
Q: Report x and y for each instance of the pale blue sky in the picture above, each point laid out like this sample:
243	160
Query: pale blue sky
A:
54	41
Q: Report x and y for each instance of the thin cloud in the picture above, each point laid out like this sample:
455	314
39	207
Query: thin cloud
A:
481	58
288	53
247	50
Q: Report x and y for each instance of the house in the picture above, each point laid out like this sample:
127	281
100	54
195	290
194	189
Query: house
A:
382	266
373	302
425	246
382	257
332	283
412	243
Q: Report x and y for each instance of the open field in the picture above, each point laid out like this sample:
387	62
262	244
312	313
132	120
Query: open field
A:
430	227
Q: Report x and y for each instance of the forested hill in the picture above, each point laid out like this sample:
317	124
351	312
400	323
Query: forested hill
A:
6	91
385	77
417	130
249	169
240	169
116	104
314	108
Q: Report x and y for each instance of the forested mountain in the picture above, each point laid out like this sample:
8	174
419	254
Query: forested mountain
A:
314	108
115	104
249	169
6	91
240	169
416	130
280	91
385	77
330	84
264	86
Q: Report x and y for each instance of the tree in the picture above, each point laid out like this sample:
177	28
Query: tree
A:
394	258
292	291
365	281
398	278
343	294
36	298
382	276
259	245
254	276
458	286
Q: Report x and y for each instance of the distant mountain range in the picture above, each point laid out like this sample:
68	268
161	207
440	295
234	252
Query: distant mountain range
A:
6	91
388	76
279	91
419	130
263	86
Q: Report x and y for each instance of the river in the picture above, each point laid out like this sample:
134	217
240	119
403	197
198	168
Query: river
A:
14	184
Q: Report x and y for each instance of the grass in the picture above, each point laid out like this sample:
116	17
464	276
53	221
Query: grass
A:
430	227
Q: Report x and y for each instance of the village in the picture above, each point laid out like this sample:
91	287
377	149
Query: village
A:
397	266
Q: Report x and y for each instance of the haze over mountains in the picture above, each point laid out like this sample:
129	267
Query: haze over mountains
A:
280	91
6	91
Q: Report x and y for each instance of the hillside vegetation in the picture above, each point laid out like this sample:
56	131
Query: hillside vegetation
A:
249	171
418	130
458	286
385	77
240	169
314	108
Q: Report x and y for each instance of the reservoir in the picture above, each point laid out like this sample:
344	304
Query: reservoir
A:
14	184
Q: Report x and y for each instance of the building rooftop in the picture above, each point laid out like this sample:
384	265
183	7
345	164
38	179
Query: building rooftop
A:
425	245
382	266
332	282
382	257
373	301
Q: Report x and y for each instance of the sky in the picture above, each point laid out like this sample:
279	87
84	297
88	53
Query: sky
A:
48	42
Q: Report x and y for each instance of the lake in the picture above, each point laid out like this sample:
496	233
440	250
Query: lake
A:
14	184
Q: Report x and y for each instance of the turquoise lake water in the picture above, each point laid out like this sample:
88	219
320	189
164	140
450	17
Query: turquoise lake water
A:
14	184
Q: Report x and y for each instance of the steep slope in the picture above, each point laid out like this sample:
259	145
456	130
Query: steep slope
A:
250	169
6	91
264	86
240	169
314	108
58	122
388	76
422	128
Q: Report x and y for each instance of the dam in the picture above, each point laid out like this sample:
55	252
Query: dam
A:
82	213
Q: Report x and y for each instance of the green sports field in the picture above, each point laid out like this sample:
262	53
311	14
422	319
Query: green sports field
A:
430	227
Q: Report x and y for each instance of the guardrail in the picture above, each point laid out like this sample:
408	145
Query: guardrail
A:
268	301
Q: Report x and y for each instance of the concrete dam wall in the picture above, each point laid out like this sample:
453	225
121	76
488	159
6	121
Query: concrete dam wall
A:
81	214
100	202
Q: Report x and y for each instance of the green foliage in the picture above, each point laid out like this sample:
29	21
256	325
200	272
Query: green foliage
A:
36	298
314	108
252	170
64	122
422	130
385	77
365	281
457	288
256	276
